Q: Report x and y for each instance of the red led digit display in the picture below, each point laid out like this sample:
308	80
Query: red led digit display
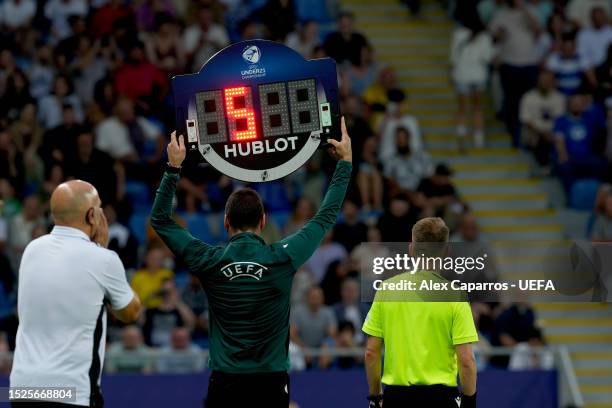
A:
240	113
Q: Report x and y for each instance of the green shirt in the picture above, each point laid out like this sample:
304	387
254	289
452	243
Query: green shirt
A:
248	283
419	336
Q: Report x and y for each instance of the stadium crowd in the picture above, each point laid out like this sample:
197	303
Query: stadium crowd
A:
85	94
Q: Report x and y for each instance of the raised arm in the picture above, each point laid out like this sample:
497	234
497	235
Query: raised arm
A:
301	245
178	239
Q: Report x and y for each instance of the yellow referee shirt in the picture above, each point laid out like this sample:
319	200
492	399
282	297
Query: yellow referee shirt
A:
419	336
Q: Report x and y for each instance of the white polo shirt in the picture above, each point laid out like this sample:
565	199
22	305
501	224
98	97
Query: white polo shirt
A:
64	282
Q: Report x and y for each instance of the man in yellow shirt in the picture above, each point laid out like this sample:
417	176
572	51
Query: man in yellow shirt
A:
426	343
148	281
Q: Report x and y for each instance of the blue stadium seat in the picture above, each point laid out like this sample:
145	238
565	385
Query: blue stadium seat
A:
583	193
274	195
280	218
138	194
216	221
198	225
316	10
138	225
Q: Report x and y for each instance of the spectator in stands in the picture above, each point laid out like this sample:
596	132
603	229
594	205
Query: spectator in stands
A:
42	71
171	313
353	111
405	169
385	98
88	66
59	142
603	92
363	74
581	11
439	190
140	80
194	297
165	48
103	18
531	354
312	323
16	14
148	281
130	355
345	341
570	67
130	138
327	252
602	230
350	308
96	167
539	110
120	239
58	12
395	118
303	210
304	39
514	324
593	42
396	222
515	29
369	177
27	133
471	53
204	38
50	106
16	94
351	231
337	272
181	356
468	230
22	225
345	44
576	135
278	17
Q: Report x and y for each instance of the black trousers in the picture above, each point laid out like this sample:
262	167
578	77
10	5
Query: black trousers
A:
265	390
420	396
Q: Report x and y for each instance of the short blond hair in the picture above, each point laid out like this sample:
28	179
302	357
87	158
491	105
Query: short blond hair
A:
428	231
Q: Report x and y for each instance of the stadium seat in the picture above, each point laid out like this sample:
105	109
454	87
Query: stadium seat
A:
280	218
583	193
137	193
138	226
198	226
274	196
316	10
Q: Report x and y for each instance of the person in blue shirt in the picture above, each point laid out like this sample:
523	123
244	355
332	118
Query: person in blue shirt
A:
570	68
576	135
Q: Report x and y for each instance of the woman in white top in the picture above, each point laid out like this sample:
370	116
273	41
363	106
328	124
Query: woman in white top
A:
471	53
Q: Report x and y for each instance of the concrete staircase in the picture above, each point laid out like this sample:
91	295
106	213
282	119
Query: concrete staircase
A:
496	181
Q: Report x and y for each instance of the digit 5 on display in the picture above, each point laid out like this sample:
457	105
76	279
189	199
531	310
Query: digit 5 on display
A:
257	111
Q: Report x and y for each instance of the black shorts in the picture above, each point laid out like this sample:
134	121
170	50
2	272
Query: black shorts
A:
265	390
421	396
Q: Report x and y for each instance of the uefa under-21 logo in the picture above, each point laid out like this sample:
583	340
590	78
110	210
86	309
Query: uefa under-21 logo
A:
251	54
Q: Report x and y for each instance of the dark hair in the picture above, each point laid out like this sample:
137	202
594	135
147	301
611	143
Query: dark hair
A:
244	209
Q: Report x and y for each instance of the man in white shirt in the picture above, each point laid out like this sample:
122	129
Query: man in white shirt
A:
58	12
15	14
66	279
593	42
580	11
114	135
539	109
203	39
